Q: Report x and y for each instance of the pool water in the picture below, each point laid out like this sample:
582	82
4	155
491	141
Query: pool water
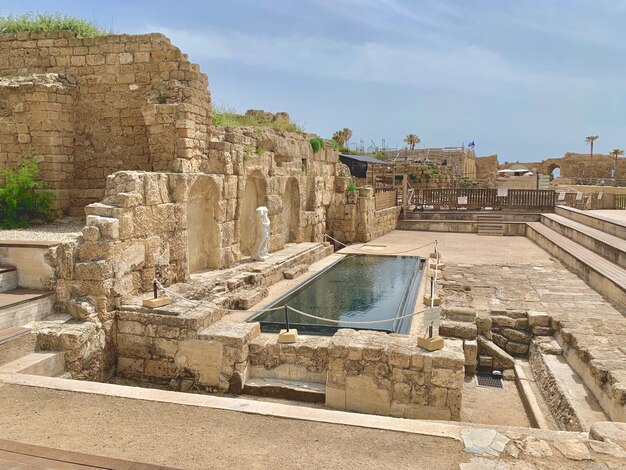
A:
357	288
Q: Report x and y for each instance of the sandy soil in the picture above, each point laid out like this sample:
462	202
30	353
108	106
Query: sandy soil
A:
487	405
190	437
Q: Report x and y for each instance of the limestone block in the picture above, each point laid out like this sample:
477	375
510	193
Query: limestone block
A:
447	378
91	233
538	319
130	258
130	327
93	271
470	350
458	329
109	227
134	346
363	395
516	335
203	358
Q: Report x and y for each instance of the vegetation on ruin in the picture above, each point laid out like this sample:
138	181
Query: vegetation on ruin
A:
317	143
23	199
228	117
351	187
47	22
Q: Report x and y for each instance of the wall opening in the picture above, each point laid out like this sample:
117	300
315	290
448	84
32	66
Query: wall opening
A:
291	211
253	197
204	242
555	171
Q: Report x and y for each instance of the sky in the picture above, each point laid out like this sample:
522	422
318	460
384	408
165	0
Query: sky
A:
525	79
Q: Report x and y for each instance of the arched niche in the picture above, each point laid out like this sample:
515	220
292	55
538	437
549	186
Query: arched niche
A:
204	244
291	211
254	195
554	170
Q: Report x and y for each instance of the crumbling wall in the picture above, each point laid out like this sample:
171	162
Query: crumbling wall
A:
487	170
138	103
353	216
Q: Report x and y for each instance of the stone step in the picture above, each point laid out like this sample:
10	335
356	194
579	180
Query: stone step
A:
605	277
250	297
309	392
606	245
15	342
596	221
573	405
8	278
296	271
458	329
464	314
21	306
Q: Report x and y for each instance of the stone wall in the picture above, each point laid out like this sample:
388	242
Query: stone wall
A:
92	106
364	371
353	216
579	165
487	170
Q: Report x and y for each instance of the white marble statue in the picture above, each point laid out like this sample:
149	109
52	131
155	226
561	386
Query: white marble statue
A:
263	221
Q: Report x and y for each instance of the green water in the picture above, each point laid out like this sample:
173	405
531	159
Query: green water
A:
358	288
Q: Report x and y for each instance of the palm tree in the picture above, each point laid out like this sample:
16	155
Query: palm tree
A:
616	153
412	140
342	137
590	139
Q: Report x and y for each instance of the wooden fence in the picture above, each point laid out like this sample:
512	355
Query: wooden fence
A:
386	198
481	198
591	201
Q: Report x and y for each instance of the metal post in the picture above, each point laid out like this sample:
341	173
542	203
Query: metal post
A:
286	318
432	292
436	247
155	288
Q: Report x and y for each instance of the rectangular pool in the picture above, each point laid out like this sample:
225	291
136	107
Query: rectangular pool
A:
357	288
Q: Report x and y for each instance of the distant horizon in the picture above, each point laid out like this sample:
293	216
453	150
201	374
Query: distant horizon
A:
524	81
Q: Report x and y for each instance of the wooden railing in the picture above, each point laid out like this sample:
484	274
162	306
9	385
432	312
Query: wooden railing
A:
483	198
385	198
591	201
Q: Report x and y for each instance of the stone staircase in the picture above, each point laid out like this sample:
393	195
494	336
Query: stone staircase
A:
491	224
19	305
592	247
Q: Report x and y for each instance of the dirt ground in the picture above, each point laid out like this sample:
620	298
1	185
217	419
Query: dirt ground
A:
191	437
500	406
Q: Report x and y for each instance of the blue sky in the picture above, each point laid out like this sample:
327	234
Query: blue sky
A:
525	79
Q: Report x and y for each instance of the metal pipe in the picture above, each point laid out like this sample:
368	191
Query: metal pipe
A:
286	318
155	288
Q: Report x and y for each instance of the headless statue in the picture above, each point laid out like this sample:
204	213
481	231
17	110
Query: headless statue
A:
263	223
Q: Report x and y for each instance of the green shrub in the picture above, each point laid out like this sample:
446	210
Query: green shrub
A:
23	200
303	167
258	150
333	144
46	22
351	187
317	143
342	174
228	117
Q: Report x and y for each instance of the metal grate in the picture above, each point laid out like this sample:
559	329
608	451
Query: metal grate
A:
486	380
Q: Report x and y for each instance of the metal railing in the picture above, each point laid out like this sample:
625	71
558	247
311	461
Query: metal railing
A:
472	198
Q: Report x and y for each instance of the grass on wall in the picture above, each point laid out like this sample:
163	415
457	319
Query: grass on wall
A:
46	22
228	117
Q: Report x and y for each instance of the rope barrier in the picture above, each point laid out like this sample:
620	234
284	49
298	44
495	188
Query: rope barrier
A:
352	247
198	302
371	322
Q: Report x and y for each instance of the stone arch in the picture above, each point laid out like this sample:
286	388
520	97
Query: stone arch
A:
554	171
291	211
204	243
254	195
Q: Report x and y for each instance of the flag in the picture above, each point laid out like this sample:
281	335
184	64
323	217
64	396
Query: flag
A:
471	144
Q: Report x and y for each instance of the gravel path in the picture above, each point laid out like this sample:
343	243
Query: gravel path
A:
66	229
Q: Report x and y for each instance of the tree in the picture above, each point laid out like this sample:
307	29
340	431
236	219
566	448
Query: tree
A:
412	140
616	153
590	139
342	137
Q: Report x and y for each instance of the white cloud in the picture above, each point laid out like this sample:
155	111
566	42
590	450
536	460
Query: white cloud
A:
452	68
